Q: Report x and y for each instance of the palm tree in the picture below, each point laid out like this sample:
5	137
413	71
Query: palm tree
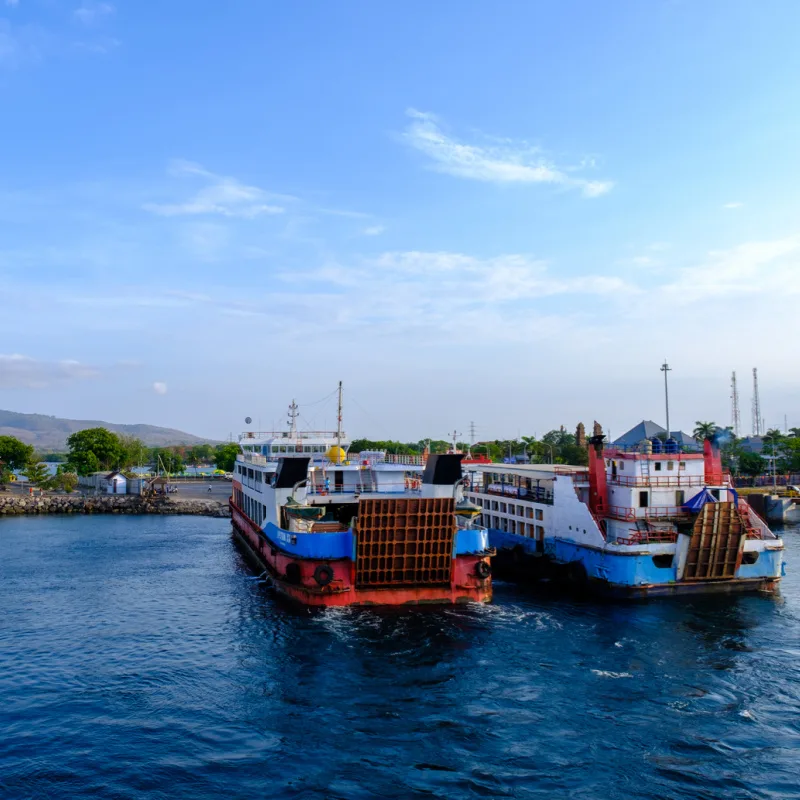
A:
704	430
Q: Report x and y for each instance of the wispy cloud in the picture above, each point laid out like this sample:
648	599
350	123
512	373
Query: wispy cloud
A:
12	3
750	269
733	205
221	195
504	162
23	372
159	387
373	230
90	11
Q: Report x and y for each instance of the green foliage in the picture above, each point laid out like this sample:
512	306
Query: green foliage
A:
132	451
37	473
751	464
94	449
389	446
168	459
225	456
14	453
6	476
704	430
200	454
63	481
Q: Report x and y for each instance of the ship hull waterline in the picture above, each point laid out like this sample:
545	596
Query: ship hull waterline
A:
342	591
517	565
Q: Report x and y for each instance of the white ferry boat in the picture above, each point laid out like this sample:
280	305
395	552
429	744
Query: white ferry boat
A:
372	530
639	521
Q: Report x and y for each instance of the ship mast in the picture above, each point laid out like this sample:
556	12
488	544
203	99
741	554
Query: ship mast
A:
293	420
339	419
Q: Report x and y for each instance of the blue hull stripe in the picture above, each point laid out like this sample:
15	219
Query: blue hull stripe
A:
342	544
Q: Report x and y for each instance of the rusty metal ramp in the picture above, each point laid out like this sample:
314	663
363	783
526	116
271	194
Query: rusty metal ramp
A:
406	541
715	548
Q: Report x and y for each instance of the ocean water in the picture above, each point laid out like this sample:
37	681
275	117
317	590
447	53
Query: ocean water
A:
139	660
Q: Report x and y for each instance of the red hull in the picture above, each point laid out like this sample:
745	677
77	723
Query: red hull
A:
465	586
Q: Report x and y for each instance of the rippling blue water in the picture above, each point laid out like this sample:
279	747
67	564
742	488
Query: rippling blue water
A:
138	660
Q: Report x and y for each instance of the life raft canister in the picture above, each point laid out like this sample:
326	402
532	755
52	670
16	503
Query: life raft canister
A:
323	574
483	570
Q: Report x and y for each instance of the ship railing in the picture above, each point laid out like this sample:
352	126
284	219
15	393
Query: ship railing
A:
533	495
612	450
758	528
649	512
363	487
386	458
329	436
577	475
253	458
648	537
670	481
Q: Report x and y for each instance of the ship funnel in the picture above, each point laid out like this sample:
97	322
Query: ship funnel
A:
442	472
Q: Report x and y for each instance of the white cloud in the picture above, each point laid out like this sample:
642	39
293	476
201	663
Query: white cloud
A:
373	230
504	162
12	3
159	387
733	205
90	12
748	270
222	196
23	372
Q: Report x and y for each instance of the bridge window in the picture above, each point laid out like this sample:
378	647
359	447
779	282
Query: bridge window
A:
539	513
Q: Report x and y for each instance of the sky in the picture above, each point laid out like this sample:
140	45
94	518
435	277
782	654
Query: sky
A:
503	215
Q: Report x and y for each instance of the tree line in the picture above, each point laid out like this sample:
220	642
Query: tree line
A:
785	447
557	447
99	450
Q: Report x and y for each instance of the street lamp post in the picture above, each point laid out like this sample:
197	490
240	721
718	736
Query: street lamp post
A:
665	368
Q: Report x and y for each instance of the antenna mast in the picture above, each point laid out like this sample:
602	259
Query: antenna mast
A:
456	434
339	419
293	419
756	405
736	417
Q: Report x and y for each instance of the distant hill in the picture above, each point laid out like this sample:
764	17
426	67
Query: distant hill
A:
49	434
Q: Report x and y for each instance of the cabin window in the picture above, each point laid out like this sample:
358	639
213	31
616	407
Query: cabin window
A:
520	511
539	513
503	508
622	465
642	499
670	465
680	497
715	493
540	532
657	466
283	448
529	515
682	465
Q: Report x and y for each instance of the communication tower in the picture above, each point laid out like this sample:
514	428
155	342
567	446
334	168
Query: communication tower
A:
756	405
736	416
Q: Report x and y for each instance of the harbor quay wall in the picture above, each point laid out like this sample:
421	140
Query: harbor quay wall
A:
109	504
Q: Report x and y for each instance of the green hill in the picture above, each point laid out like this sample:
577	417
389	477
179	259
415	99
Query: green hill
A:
50	433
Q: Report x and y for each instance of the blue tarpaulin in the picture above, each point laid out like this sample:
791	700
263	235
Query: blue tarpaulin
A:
699	500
